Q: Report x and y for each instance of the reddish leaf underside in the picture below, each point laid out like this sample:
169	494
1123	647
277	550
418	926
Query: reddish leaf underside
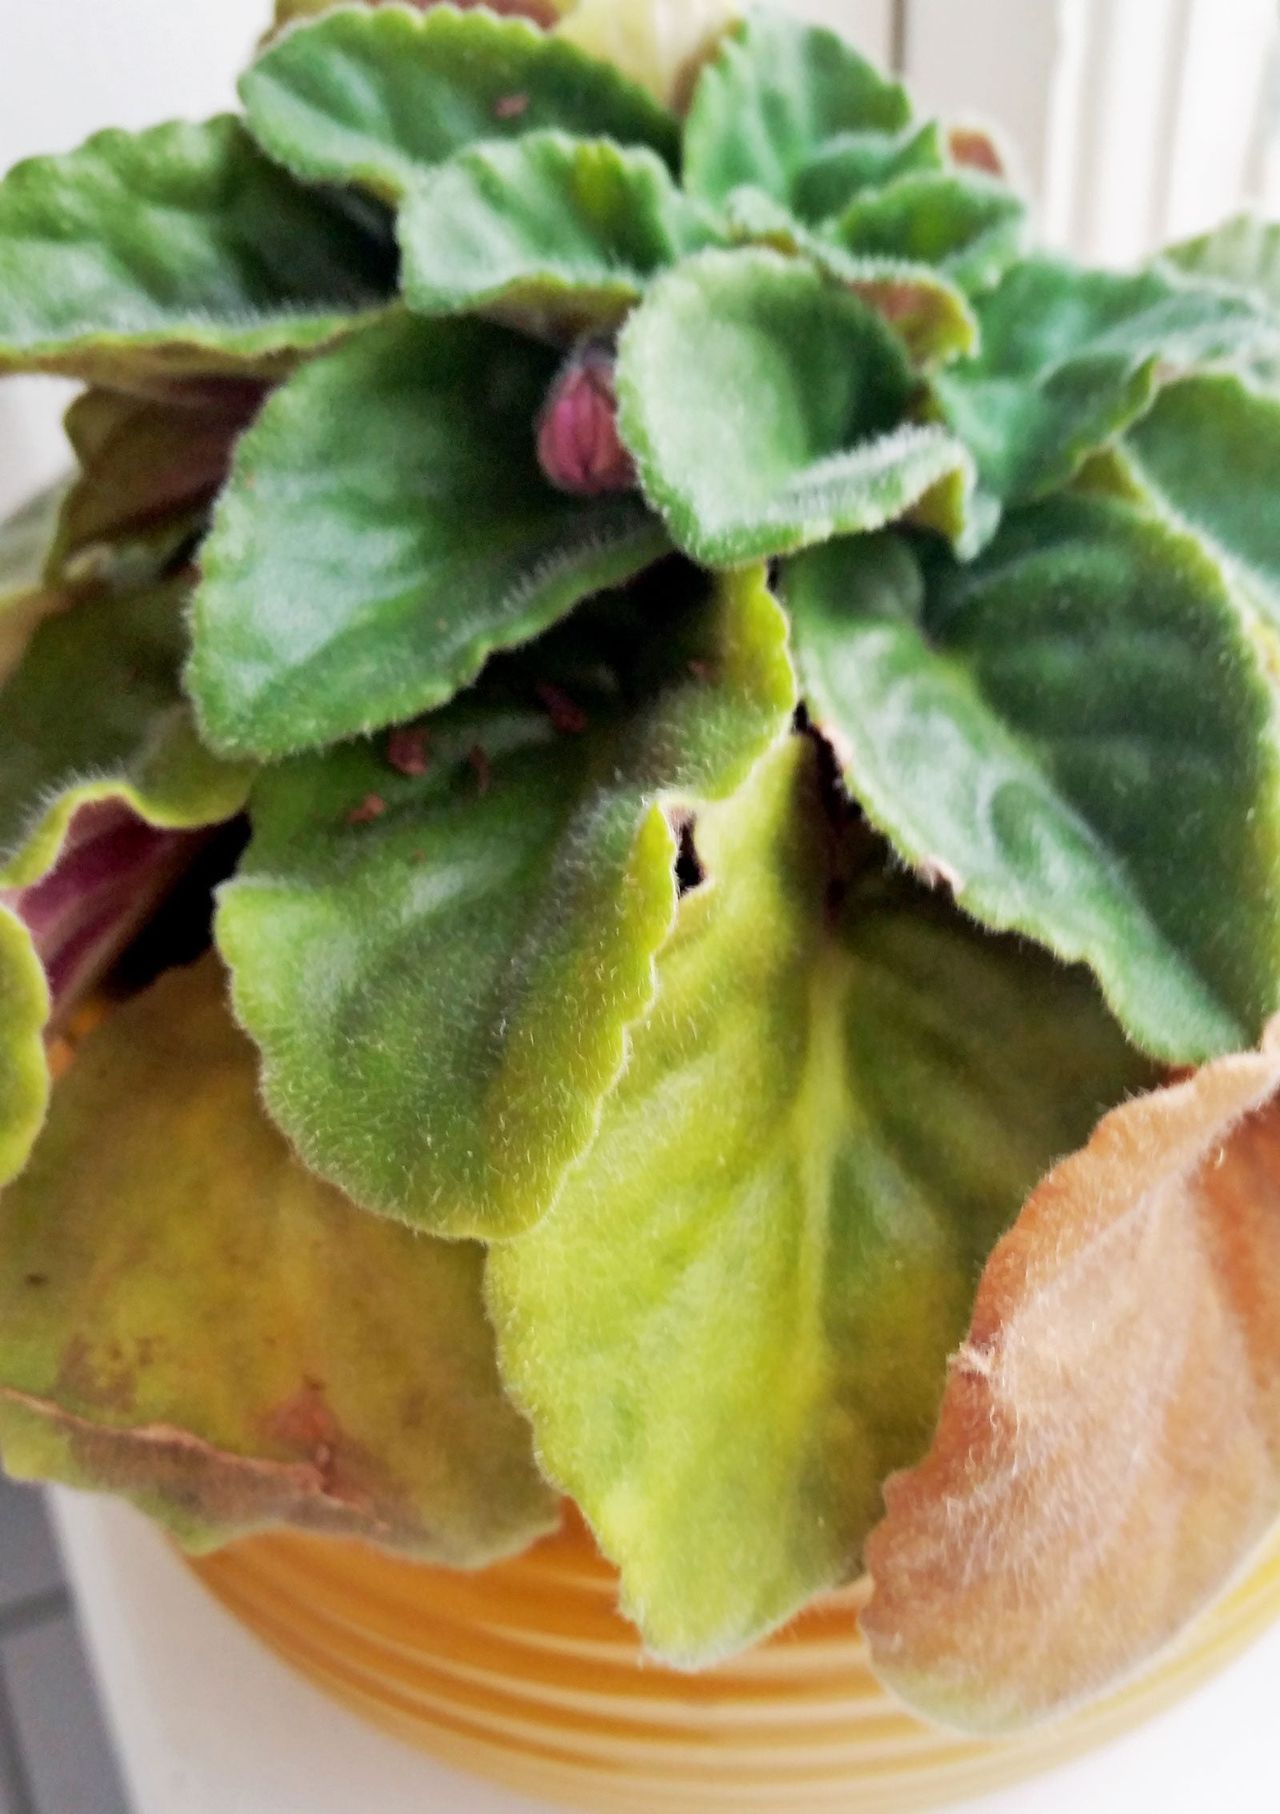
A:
1108	1452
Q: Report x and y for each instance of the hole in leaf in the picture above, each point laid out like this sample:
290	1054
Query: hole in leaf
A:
689	871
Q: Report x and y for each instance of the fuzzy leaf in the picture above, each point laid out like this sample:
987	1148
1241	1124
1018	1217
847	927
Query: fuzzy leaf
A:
1108	1455
95	712
146	257
1070	358
441	967
387	527
24	1072
736	1317
1077	780
149	470
226	1340
970	227
928	313
1243	252
558	232
375	96
765	410
855	161
1209	453
773	98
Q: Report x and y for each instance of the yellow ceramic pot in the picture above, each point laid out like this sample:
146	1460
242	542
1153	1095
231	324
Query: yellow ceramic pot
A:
527	1674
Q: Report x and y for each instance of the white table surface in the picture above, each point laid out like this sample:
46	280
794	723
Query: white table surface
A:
209	1722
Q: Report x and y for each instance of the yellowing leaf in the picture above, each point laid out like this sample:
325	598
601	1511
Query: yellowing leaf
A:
189	1318
661	44
1109	1447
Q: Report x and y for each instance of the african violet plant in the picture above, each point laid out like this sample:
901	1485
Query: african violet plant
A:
732	713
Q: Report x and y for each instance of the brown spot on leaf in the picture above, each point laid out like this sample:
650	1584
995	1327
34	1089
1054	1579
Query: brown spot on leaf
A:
565	714
510	106
370	808
481	768
407	750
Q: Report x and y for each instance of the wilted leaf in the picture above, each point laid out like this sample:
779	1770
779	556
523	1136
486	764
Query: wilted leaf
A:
736	1317
1070	358
440	967
1109	1449
970	227
95	712
376	95
775	96
386	528
146	257
148	469
766	410
661	44
26	597
1037	730
548	229
189	1318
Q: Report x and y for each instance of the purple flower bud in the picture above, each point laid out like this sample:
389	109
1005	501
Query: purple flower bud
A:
578	445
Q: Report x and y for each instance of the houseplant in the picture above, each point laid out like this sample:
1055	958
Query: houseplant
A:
751	700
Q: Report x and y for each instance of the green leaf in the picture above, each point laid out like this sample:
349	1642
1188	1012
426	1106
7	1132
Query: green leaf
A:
1037	731
773	98
441	968
26	539
1209	453
386	528
149	470
226	1340
95	712
1243	252
24	1072
854	161
145	257
736	1318
970	226
375	96
1070	358
555	231
928	313
766	409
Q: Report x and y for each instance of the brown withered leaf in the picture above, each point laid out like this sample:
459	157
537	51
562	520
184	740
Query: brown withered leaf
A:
190	1318
1108	1452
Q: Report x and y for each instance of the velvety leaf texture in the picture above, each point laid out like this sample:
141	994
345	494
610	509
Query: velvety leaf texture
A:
1209	452
143	257
929	314
1070	358
386	528
95	712
852	162
547	229
970	227
24	1074
440	967
765	410
1078	780
226	1340
1243	252
826	1119
1108	1455
775	96
375	96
